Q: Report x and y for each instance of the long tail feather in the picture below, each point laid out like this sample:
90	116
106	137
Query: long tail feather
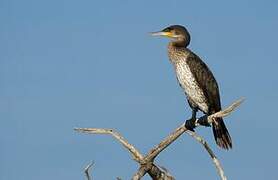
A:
221	134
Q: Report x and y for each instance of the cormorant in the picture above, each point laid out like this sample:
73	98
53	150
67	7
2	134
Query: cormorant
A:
197	81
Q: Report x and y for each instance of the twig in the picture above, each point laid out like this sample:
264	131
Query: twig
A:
210	152
222	113
137	156
87	171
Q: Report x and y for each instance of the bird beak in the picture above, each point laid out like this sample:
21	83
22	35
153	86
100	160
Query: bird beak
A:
162	33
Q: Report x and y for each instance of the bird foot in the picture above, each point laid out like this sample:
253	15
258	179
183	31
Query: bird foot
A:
190	124
203	121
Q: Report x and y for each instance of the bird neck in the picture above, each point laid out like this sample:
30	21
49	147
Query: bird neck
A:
177	53
176	47
180	43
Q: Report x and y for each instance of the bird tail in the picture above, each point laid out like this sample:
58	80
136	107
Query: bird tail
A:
221	134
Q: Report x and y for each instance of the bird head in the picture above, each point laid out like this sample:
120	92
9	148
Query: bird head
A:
177	33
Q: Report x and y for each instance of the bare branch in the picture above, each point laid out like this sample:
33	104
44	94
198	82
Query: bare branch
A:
224	112
140	173
137	156
154	171
210	152
87	171
161	173
166	142
181	129
147	165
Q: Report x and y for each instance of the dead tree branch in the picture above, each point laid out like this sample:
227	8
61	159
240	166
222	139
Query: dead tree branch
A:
147	162
137	156
210	152
181	129
154	171
87	174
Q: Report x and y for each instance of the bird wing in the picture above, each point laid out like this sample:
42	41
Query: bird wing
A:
206	81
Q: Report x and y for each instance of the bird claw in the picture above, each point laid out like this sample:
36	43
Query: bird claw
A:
190	124
204	121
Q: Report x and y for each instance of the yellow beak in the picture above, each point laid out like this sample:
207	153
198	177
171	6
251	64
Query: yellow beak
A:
161	33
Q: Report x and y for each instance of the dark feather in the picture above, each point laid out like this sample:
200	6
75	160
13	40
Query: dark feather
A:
208	84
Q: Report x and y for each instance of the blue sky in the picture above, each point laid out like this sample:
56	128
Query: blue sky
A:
66	64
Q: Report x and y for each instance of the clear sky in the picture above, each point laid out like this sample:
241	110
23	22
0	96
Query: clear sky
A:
66	64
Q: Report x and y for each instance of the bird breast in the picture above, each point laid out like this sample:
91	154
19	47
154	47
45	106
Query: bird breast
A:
187	80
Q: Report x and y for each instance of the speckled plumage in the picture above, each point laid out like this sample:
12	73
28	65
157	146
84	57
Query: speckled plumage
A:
196	80
179	57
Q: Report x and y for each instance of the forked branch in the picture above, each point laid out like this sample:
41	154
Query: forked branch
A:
146	162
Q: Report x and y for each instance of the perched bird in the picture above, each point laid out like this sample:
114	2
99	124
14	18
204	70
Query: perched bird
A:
197	81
